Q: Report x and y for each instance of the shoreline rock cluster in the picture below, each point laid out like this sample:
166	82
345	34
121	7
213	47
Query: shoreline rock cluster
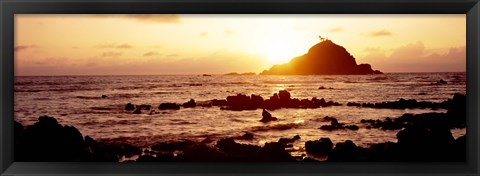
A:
457	100
47	140
241	102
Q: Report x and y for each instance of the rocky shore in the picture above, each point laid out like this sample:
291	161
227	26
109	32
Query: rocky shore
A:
422	137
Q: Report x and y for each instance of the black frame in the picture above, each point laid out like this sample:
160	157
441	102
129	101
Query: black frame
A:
10	7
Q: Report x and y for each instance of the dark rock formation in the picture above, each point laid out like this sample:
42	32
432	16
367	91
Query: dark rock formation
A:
47	140
273	151
282	99
456	102
267	117
289	140
247	136
324	58
130	107
165	106
104	96
323	146
137	111
145	107
190	104
335	125
172	146
441	81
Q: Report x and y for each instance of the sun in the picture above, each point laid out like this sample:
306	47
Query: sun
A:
279	53
279	47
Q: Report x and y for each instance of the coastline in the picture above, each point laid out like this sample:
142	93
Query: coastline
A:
422	137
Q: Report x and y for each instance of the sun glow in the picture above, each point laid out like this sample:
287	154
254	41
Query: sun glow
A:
280	47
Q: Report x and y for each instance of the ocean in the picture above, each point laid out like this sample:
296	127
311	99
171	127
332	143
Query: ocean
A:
77	101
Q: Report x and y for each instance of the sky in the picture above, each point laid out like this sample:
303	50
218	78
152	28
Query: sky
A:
147	44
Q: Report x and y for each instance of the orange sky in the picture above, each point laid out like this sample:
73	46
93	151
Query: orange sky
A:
217	44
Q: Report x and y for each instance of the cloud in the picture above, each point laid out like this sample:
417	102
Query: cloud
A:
24	47
151	53
204	34
379	33
415	57
337	29
155	18
118	46
111	54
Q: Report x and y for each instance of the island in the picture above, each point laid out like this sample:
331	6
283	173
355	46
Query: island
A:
324	58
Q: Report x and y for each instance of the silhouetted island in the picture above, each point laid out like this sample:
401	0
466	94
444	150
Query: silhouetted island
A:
324	58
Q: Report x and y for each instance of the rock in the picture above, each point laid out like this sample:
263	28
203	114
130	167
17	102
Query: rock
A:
288	140
145	107
172	146
47	140
247	136
130	150
203	153
256	100
166	106
273	151
239	152
129	107
324	58
352	127
216	102
104	96
441	81
267	117
353	104
137	111
346	151
190	104
323	146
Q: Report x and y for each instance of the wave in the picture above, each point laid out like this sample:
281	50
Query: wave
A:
276	127
378	78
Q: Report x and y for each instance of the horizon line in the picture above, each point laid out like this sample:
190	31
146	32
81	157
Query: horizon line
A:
202	74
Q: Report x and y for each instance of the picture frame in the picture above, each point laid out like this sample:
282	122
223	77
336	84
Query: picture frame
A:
9	8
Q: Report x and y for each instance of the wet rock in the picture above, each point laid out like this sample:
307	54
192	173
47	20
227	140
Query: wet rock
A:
267	117
167	106
239	152
256	100
130	107
323	146
352	127
130	150
353	104
137	111
144	107
216	102
289	140
190	104
238	102
441	81
247	136
273	151
203	153
172	146
345	151
47	140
